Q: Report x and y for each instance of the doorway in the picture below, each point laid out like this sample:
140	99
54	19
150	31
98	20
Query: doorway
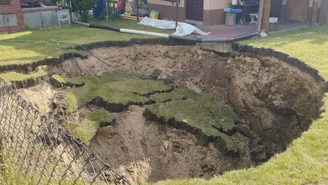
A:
275	8
194	9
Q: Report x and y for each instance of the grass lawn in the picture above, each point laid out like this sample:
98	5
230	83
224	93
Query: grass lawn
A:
306	159
30	46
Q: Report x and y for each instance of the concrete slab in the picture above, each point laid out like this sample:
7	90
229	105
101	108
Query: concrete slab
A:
218	47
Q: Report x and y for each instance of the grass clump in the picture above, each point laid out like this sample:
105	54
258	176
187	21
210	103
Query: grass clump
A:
59	78
178	93
115	87
9	77
202	111
72	103
89	126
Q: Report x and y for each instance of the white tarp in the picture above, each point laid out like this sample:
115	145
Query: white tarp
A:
183	29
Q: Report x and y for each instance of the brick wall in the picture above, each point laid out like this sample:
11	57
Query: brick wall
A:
46	2
13	8
30	10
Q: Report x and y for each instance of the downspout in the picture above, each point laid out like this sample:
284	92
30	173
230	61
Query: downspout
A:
169	36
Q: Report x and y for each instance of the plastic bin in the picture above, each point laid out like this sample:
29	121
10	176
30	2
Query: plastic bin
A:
230	19
273	23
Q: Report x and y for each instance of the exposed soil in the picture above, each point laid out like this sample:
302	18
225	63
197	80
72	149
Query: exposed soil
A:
145	151
275	102
40	96
149	60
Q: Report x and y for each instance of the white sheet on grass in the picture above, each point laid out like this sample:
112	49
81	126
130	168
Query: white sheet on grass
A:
183	29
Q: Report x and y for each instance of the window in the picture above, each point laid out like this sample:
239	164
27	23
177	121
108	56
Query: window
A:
4	2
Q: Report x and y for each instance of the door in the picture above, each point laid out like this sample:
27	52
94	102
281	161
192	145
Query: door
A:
297	10
2	21
275	8
49	19
33	20
195	9
323	18
10	19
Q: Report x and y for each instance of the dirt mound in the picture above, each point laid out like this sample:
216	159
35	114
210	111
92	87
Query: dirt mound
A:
40	96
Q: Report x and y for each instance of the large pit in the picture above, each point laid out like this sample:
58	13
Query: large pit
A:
247	107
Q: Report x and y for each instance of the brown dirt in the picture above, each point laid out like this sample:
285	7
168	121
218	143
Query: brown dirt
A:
278	101
140	60
40	96
144	151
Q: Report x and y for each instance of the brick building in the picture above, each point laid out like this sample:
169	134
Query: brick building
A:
211	12
13	13
11	16
46	2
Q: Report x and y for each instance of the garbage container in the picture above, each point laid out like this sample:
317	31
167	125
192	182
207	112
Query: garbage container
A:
230	19
273	23
231	16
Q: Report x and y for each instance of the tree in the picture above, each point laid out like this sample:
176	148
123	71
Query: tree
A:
82	7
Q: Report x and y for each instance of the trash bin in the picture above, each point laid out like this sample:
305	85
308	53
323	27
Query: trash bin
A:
230	19
231	15
273	23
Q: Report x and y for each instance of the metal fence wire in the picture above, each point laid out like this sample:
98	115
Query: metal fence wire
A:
39	151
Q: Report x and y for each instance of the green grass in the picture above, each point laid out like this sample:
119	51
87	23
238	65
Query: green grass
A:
13	76
72	103
115	87
30	46
198	110
89	126
59	78
306	159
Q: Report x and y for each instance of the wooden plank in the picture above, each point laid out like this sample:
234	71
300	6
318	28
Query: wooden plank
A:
266	15
315	12
260	15
128	17
297	10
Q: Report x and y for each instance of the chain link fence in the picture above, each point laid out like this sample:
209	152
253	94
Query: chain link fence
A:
36	150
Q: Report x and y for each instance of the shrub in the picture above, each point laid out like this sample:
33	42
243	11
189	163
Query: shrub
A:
82	7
